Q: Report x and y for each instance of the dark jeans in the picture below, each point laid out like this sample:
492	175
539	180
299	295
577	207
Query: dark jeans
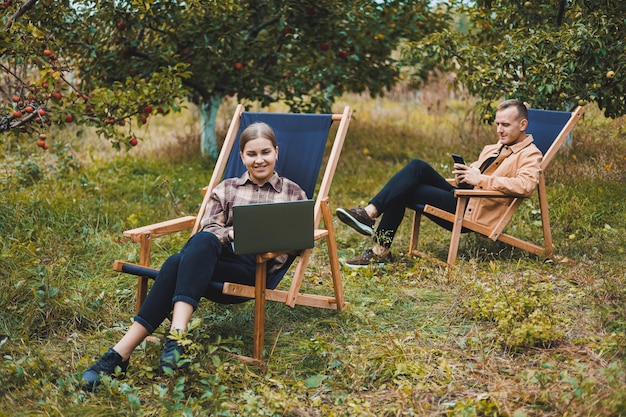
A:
414	186
197	271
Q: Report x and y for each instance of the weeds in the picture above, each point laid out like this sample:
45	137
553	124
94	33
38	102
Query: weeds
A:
503	333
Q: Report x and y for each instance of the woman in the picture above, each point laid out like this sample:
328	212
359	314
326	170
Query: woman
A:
206	258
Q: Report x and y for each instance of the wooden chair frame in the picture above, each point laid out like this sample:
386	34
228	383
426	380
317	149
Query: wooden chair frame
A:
496	233
293	296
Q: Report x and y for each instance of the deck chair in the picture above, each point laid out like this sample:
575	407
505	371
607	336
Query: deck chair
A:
550	129
302	139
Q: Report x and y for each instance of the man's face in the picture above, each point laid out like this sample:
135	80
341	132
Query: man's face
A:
510	129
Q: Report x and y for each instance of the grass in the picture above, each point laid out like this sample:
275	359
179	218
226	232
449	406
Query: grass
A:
502	334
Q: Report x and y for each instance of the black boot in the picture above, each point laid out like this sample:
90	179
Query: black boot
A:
108	364
172	356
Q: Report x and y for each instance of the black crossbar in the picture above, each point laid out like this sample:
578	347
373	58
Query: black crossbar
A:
141	271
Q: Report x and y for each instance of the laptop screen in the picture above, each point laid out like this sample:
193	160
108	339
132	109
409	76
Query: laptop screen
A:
272	227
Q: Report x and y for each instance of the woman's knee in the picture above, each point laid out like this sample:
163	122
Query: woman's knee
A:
203	241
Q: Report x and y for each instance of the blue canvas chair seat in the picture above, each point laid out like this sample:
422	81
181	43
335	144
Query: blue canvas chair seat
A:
302	142
550	129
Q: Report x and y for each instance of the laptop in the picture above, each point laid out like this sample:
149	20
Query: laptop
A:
272	227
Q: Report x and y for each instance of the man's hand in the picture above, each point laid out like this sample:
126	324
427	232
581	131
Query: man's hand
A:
466	175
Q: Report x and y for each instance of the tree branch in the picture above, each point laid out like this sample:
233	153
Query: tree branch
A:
254	32
20	12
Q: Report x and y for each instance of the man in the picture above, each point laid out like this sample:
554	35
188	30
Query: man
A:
511	166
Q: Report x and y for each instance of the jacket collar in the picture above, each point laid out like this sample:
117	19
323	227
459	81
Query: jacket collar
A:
518	146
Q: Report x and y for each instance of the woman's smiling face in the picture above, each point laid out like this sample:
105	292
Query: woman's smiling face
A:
259	156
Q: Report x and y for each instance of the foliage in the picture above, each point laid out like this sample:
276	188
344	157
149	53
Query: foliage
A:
411	341
524	309
551	54
109	63
41	45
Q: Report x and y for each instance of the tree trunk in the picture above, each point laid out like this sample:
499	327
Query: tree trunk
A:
208	117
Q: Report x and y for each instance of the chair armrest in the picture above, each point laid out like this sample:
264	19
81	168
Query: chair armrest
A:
482	193
162	228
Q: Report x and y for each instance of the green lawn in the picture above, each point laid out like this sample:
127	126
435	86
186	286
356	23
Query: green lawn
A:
502	334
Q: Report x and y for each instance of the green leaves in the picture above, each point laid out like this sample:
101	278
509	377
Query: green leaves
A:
510	49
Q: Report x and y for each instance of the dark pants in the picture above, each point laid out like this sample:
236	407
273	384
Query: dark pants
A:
414	186
198	270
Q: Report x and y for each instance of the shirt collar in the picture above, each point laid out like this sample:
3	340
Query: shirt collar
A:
275	181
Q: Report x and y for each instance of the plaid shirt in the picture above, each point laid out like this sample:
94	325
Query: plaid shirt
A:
218	217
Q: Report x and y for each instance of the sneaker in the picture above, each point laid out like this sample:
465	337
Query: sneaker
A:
368	258
172	356
356	218
109	364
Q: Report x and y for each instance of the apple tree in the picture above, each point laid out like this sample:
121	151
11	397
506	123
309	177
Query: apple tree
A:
552	54
123	60
41	85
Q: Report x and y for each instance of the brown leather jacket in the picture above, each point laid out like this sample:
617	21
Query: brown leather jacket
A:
515	171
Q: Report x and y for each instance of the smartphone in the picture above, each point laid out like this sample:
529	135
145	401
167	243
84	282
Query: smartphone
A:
458	159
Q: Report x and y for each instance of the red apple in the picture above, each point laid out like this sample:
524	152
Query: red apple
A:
47	52
41	143
57	95
17	114
69	118
324	46
147	109
343	53
133	142
29	109
16	99
41	112
121	25
238	66
42	136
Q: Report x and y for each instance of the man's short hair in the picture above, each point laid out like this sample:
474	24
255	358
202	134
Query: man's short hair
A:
522	110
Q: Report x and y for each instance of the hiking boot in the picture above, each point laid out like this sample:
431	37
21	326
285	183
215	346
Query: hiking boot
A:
368	258
110	363
172	355
356	218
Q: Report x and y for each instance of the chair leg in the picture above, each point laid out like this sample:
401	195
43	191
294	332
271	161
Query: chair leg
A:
259	308
333	256
415	232
144	260
545	218
456	229
298	274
